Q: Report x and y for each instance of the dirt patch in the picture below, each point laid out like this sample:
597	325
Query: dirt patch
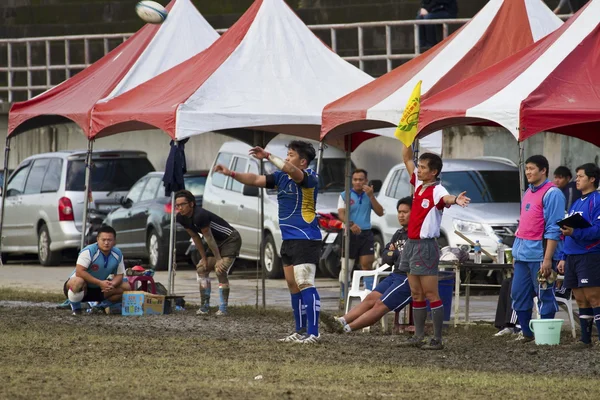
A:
47	352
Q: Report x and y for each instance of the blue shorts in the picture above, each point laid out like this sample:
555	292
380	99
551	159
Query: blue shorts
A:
582	270
395	291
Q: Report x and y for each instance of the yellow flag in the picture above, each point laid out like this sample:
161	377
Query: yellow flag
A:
407	127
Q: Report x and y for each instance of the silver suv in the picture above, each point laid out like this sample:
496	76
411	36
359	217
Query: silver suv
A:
491	183
45	195
238	204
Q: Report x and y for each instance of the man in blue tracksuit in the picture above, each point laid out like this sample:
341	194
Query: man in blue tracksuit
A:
581	259
537	237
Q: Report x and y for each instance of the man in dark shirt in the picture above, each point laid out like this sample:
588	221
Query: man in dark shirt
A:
434	9
393	293
223	241
563	180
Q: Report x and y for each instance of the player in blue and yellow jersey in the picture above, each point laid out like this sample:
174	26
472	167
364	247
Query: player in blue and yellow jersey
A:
297	187
96	262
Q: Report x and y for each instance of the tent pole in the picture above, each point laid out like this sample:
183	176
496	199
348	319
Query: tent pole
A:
522	167
346	260
88	192
3	194
320	156
262	223
172	259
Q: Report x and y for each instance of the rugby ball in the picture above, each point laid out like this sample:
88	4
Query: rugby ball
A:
151	12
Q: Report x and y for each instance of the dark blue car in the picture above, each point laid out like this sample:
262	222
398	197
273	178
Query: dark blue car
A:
143	220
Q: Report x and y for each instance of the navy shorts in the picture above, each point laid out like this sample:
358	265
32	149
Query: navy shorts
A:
91	294
395	291
362	244
296	252
582	270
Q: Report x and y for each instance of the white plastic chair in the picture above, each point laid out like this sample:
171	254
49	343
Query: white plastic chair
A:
356	292
568	303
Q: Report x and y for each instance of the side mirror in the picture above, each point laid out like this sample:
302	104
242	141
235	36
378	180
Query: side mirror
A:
125	202
251	191
377	184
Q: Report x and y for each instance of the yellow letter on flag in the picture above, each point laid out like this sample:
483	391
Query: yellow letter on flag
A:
407	127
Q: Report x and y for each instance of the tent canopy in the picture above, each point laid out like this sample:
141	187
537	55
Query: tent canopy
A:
151	51
553	85
268	72
499	30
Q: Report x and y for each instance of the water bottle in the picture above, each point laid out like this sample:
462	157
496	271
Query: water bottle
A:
477	252
500	252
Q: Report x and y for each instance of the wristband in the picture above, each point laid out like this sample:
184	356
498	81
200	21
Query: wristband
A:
232	174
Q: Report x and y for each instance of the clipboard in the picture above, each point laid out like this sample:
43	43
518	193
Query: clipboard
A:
575	221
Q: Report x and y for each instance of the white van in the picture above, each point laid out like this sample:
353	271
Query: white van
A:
239	204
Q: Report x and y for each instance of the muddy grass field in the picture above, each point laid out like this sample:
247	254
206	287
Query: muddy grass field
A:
47	353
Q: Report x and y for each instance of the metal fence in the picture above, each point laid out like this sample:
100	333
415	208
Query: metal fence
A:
29	66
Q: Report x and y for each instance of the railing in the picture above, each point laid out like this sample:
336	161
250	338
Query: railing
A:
29	66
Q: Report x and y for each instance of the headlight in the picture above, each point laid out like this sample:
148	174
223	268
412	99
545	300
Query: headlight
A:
468	226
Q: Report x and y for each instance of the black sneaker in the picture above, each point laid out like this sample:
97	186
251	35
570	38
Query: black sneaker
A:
77	312
413	341
434	344
579	345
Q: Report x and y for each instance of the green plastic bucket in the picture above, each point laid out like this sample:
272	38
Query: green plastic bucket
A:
546	331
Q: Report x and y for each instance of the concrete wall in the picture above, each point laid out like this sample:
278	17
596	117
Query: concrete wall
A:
377	156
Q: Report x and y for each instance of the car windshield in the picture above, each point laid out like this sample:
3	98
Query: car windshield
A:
484	186
331	178
195	184
116	174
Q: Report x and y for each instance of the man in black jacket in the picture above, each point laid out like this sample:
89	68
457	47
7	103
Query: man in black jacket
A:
434	9
393	293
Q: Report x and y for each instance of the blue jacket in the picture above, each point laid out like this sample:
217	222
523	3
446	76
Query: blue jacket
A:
585	240
554	211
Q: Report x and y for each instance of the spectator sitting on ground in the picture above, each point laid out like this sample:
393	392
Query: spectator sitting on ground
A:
89	281
393	293
434	9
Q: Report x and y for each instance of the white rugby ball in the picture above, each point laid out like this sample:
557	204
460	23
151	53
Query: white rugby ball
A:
151	12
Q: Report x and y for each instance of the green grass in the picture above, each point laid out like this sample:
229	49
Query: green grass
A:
29	295
49	354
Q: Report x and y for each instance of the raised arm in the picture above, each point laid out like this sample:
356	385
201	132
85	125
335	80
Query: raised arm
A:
296	174
247	178
407	156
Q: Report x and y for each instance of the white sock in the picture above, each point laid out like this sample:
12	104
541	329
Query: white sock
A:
347	328
341	320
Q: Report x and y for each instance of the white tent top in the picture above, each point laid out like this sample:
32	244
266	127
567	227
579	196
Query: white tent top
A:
267	72
149	52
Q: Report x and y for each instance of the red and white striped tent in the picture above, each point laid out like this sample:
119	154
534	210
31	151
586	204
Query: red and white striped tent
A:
268	72
149	52
499	30
553	85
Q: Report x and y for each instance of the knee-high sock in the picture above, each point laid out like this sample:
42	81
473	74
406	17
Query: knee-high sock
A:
419	317
586	320
298	309
437	315
205	288
223	296
75	305
524	318
312	301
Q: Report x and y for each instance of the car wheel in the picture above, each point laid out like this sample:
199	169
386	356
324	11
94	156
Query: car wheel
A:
46	257
195	257
378	245
333	263
442	241
271	261
4	257
157	255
